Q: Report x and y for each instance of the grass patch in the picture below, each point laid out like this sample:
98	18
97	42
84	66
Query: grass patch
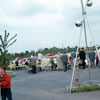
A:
12	76
86	88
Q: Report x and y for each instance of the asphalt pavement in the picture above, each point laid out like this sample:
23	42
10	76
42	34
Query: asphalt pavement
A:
50	85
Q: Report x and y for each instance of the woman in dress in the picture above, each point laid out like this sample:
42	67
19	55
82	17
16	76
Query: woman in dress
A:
59	62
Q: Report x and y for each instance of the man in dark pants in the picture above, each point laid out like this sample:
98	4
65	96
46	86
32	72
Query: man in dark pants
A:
92	58
73	55
82	57
64	59
33	63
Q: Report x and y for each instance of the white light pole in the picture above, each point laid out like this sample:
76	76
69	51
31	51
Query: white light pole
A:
82	24
89	3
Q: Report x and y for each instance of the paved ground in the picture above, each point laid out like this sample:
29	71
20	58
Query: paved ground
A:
50	85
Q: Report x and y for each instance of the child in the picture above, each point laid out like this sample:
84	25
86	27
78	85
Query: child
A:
78	64
97	61
5	84
70	60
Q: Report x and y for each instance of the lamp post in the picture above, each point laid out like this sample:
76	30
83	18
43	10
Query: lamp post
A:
82	24
89	3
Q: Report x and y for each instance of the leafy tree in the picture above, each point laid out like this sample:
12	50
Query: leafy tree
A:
5	43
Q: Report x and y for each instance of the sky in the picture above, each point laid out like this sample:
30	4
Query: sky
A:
47	23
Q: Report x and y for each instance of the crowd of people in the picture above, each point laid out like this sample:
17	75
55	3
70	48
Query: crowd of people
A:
83	61
62	61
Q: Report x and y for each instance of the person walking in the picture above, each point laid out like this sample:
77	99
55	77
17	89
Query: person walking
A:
59	62
92	58
73	55
33	63
64	59
82	56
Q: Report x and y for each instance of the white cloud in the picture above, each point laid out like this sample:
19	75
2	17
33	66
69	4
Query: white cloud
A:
48	17
40	19
12	12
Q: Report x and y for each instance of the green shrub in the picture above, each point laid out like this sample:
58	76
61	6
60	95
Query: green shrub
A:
12	76
86	88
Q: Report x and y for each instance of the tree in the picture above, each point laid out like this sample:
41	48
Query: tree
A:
5	43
